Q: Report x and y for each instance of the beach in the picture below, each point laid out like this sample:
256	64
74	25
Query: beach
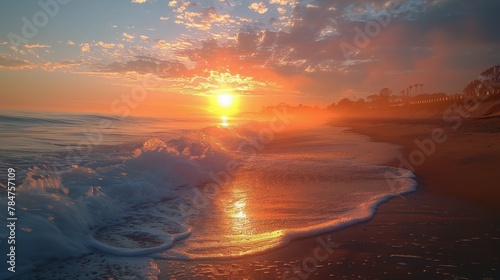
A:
448	229
302	199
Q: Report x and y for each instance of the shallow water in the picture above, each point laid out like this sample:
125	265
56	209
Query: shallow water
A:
191	188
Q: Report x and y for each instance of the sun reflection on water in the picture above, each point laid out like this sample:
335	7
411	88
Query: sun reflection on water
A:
246	226
239	207
224	121
237	212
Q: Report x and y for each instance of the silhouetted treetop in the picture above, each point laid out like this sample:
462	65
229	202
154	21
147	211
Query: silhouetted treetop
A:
487	82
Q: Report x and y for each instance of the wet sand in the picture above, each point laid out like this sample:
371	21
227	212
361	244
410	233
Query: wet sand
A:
464	166
448	229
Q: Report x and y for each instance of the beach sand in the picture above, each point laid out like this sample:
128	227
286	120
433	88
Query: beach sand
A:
448	229
464	166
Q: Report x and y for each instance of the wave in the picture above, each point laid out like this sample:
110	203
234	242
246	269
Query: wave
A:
107	205
138	202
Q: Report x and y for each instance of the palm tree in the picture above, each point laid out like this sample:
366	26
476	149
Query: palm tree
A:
416	89
410	87
404	93
421	86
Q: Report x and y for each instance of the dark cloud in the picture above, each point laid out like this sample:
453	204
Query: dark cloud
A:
422	40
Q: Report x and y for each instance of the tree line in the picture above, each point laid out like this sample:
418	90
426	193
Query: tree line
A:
488	82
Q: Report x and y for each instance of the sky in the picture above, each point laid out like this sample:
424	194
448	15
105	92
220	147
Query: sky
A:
161	57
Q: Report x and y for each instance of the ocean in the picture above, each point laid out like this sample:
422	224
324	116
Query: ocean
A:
103	196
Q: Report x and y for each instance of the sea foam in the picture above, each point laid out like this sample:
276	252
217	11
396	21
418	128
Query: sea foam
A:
127	208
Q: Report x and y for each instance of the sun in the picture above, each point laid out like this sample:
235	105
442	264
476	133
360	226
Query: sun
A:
225	100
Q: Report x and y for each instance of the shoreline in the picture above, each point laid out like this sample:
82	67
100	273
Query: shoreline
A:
463	166
432	233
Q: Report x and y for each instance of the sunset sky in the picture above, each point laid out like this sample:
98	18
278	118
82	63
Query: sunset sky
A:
173	56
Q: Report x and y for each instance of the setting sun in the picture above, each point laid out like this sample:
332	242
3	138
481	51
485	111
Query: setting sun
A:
225	100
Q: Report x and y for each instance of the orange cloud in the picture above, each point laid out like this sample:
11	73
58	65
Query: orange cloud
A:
258	7
128	37
85	47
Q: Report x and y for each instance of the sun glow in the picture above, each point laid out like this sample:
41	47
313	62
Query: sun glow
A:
224	104
225	100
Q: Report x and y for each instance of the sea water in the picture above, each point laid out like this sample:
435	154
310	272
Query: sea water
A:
102	196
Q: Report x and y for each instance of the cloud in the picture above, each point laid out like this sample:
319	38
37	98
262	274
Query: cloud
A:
147	65
36	46
65	64
283	2
128	37
258	7
204	19
139	1
214	81
281	10
14	63
303	39
70	43
429	37
183	7
34	49
108	45
174	46
18	64
85	47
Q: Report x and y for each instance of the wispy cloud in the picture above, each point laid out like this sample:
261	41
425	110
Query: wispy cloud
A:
147	65
128	37
109	45
36	46
14	63
71	65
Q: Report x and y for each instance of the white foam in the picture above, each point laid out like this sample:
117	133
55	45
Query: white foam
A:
125	209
